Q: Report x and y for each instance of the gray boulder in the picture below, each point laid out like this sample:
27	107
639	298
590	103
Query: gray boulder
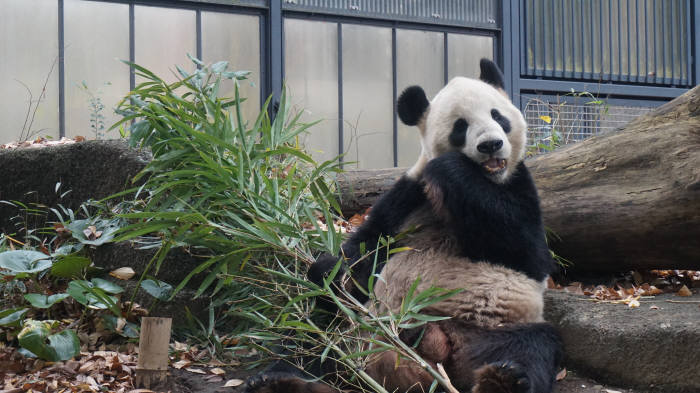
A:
90	169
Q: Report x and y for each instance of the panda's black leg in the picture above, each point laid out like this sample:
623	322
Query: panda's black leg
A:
501	377
385	219
282	382
512	359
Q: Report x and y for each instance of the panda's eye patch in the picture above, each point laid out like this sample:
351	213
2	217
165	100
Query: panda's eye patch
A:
502	121
458	136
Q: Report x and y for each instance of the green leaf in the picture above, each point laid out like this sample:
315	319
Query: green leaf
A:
129	330
158	289
36	337
106	229
85	293
66	344
12	317
70	266
39	300
24	261
107	286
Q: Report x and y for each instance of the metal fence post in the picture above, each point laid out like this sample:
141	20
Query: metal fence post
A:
61	73
274	42
695	29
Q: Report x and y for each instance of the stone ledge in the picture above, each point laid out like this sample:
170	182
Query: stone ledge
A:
650	350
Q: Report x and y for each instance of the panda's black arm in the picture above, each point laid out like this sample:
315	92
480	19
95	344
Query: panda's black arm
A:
502	221
384	219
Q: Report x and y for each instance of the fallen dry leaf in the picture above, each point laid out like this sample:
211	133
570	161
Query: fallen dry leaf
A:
652	307
550	283
123	273
633	303
196	370
217	371
91	233
181	363
233	383
684	291
561	375
178	346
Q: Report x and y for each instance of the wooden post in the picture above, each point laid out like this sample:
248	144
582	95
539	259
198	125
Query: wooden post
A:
152	366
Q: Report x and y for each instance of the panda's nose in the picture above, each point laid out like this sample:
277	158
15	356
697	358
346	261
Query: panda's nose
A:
490	147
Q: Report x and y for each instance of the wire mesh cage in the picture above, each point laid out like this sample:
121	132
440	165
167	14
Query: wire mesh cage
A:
561	120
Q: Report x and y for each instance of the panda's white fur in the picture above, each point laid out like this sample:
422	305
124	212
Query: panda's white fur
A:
491	295
472	100
511	295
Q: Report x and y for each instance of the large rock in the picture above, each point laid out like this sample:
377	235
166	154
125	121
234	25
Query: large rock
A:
91	169
174	268
654	350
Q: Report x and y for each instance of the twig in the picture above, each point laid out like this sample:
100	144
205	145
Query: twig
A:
29	108
683	301
397	342
26	127
448	383
38	101
15	240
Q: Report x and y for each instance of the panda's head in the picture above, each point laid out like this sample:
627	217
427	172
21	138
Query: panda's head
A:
472	116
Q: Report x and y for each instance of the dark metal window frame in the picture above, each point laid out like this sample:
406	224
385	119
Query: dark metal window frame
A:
591	41
507	34
198	6
340	20
514	52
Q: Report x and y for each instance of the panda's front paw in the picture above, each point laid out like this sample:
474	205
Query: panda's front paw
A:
321	268
501	377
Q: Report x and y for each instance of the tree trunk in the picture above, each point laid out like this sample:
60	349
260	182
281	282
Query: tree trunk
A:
629	199
622	201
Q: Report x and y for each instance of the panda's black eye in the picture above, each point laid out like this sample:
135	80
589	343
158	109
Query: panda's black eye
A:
502	121
458	136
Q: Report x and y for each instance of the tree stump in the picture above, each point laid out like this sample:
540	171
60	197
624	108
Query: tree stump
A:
152	367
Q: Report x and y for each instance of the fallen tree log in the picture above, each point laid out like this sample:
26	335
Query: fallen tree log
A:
622	201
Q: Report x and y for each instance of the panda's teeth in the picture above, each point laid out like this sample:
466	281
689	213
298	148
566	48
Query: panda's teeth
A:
494	164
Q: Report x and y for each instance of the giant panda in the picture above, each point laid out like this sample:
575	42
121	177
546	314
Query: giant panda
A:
471	215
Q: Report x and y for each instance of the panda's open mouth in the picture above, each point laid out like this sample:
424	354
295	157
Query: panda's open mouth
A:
494	165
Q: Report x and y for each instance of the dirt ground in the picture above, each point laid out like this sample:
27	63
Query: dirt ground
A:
181	381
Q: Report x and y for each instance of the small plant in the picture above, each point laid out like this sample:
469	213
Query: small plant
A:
97	119
559	129
27	131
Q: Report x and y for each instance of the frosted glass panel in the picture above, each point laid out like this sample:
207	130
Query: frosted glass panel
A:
311	73
419	61
164	37
28	54
96	38
236	39
464	53
368	107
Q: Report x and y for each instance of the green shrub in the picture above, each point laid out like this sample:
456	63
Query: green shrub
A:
258	209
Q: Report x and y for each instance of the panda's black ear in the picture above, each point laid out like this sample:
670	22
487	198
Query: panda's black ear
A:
491	74
411	105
